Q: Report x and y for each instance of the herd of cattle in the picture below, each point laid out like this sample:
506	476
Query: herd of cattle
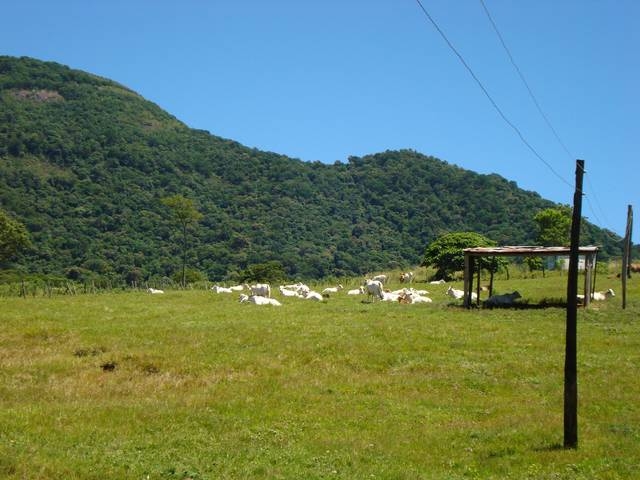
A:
374	288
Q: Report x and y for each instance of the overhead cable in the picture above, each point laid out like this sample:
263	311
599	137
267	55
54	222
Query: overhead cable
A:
489	97
541	112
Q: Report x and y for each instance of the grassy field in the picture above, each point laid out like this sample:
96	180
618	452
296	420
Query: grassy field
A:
194	385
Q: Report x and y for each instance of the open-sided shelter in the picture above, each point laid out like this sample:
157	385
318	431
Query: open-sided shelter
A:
470	254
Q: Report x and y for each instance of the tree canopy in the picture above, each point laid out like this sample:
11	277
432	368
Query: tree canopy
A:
446	252
553	226
13	237
186	215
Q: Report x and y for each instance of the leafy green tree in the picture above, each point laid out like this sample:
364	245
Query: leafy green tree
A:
185	214
191	276
493	265
535	263
272	271
13	237
554	230
446	252
554	226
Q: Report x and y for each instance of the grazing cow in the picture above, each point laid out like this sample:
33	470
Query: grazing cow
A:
503	300
458	294
237	288
406	277
374	289
259	300
635	267
260	289
330	290
380	278
154	290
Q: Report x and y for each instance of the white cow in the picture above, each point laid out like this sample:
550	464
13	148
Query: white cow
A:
412	296
330	290
391	296
598	296
311	295
406	277
603	295
218	289
437	282
259	300
356	291
154	290
420	292
380	278
374	289
299	287
288	293
503	300
260	289
458	294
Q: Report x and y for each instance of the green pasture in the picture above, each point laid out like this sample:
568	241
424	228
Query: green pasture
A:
194	385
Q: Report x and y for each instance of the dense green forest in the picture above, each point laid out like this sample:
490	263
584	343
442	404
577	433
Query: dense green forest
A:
85	163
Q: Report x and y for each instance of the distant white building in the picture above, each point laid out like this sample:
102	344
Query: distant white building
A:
564	263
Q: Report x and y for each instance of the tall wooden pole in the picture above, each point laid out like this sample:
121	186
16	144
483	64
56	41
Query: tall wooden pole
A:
571	352
626	256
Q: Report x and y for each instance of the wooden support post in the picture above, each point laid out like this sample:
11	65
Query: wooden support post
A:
467	280
478	284
588	269
493	263
570	359
594	259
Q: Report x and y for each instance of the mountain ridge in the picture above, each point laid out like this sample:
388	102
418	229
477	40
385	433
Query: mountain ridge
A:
85	162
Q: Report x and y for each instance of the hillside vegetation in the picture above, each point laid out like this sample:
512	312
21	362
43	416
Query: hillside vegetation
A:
85	162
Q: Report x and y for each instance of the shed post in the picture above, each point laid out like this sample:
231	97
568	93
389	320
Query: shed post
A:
493	262
588	268
478	284
468	280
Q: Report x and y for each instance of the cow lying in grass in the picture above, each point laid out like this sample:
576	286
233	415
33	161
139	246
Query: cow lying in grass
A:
504	300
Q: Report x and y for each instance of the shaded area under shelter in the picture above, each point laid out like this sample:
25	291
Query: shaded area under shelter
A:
471	254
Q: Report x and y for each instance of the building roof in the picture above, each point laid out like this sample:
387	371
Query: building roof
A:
527	250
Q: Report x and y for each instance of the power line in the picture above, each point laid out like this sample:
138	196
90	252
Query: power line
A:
542	114
515	65
486	93
606	228
595	198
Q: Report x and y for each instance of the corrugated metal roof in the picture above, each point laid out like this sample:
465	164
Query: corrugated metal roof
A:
527	250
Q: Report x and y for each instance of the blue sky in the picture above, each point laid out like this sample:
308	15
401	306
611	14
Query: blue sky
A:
331	79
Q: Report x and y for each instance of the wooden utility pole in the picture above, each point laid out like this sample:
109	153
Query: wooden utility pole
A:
571	352
626	256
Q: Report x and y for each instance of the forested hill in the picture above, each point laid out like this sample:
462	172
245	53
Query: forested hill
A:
85	162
